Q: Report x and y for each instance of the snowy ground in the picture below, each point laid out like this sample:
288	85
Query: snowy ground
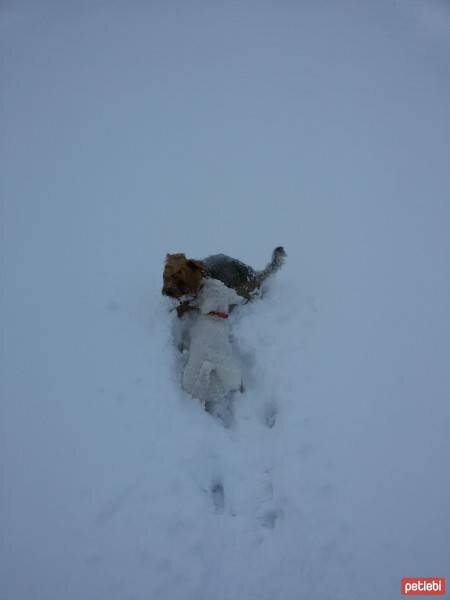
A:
133	129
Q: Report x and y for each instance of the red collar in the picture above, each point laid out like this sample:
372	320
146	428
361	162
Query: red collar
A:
215	313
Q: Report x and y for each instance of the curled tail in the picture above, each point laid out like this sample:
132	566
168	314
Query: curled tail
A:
278	256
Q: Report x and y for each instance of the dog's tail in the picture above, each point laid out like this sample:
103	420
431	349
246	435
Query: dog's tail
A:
208	385
278	256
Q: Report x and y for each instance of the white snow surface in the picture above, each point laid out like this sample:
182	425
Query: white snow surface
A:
132	129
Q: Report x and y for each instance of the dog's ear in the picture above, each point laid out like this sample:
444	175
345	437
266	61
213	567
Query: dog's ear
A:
195	265
176	255
233	297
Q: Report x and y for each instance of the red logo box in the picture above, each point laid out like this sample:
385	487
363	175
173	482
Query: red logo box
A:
423	586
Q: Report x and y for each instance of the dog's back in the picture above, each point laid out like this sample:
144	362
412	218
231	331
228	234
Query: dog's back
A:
239	276
212	370
232	272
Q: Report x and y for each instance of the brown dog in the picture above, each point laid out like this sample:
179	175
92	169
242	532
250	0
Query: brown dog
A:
183	276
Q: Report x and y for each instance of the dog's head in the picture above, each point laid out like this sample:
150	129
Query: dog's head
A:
215	296
182	276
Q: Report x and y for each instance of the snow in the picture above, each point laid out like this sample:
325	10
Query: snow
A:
130	130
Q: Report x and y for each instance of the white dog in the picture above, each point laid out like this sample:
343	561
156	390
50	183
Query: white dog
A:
212	371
